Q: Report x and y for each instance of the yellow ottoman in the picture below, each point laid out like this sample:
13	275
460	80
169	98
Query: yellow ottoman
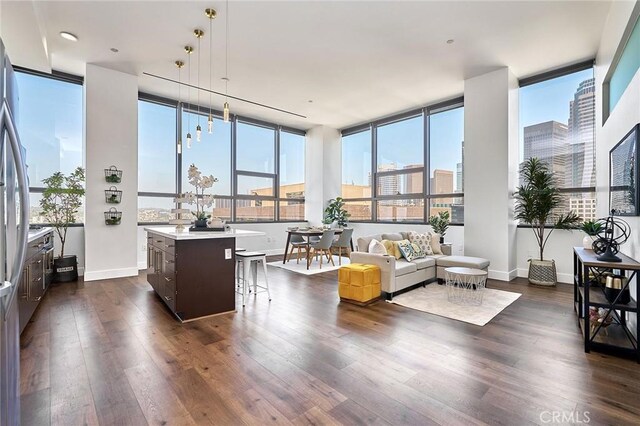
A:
359	284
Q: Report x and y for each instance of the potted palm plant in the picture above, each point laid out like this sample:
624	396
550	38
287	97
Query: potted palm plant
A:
60	203
537	203
336	213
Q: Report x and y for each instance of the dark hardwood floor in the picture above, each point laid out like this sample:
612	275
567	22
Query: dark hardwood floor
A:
109	353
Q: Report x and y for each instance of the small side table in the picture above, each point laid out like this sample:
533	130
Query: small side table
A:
465	286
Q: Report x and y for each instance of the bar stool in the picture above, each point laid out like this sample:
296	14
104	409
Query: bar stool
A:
250	261
238	265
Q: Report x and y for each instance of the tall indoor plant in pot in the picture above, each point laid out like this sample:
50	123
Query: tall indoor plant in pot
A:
537	201
60	203
336	213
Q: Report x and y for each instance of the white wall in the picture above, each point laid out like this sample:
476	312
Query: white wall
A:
491	149
111	138
623	117
323	171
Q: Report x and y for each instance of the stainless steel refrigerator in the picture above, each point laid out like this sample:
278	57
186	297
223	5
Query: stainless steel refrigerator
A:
14	228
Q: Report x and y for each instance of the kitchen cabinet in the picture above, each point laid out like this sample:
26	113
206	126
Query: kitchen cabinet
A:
36	275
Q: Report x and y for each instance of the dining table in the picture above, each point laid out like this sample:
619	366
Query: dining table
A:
307	234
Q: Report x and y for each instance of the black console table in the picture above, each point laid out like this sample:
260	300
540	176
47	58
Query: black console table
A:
619	337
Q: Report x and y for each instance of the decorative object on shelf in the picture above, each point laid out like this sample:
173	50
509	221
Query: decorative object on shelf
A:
613	233
591	228
599	318
112	217
199	198
440	223
536	201
624	173
336	213
180	220
113	175
616	289
60	203
113	195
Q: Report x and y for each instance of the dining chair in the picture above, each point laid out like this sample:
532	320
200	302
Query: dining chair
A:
322	248
343	243
298	242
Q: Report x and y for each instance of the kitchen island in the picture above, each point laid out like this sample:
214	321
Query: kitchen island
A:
194	272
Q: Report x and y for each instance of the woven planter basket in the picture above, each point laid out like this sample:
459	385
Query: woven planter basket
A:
542	272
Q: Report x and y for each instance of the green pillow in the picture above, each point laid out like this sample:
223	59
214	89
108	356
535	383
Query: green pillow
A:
407	250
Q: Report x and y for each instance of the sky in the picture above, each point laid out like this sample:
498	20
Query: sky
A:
50	124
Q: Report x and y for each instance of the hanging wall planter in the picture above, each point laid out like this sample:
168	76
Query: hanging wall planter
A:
113	195
112	217
113	175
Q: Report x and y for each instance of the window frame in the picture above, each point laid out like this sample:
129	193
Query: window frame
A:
550	75
426	195
235	173
65	78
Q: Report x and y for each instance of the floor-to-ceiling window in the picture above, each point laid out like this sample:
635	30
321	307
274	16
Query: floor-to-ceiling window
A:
49	122
557	126
259	167
407	167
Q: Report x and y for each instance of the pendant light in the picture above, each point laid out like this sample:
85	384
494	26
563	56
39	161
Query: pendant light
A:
198	33
211	14
179	65
189	51
225	111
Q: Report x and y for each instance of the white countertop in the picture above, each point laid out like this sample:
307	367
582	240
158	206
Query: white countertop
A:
170	232
34	234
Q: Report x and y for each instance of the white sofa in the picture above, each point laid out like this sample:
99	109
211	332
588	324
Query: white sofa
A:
399	274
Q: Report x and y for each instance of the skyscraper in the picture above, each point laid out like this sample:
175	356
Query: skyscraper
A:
581	137
460	173
548	142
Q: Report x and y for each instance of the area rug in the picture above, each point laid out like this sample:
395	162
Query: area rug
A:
433	299
301	268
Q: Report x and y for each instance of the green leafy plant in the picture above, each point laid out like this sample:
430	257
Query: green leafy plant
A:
112	178
61	201
440	222
335	212
591	227
538	200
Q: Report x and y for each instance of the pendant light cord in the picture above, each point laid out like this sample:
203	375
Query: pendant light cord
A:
210	62
199	80
226	53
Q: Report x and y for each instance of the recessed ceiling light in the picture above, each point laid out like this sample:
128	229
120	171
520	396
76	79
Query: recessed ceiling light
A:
68	36
450	41
225	79
114	50
310	101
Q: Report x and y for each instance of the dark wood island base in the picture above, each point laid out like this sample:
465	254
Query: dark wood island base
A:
194	277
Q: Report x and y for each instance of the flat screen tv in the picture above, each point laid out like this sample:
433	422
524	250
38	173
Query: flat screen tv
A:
624	192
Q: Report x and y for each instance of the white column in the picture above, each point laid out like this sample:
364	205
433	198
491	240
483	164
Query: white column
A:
323	174
111	138
491	170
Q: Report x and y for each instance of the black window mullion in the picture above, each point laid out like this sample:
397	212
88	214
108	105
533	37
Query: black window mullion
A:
276	180
374	172
426	190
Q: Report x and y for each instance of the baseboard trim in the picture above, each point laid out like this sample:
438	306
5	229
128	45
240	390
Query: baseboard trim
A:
142	265
110	273
503	275
562	277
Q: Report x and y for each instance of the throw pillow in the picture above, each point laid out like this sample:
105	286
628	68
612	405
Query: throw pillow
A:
407	250
376	247
435	243
389	246
423	241
419	253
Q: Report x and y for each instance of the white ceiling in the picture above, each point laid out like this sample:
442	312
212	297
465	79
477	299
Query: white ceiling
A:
356	61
